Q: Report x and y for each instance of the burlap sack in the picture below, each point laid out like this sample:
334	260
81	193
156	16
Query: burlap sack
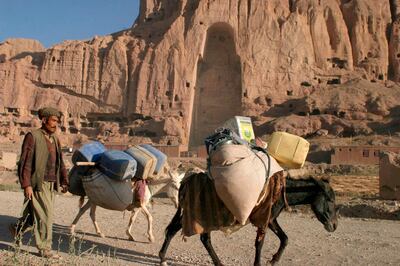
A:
239	177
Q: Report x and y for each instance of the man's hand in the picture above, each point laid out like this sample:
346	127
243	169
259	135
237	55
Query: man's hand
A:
28	191
64	188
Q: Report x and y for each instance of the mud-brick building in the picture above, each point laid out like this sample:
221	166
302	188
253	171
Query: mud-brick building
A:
351	155
389	176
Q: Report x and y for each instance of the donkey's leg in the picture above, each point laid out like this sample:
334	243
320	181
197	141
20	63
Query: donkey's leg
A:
175	201
174	226
275	227
132	219
173	194
82	210
93	217
206	240
150	223
259	245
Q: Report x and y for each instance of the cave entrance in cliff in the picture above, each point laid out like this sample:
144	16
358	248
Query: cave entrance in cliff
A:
218	89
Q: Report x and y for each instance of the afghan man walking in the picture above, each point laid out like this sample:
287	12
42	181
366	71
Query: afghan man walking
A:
41	172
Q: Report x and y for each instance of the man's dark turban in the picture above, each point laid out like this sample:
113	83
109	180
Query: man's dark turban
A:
48	111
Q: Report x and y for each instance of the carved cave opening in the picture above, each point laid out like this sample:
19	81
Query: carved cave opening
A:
218	88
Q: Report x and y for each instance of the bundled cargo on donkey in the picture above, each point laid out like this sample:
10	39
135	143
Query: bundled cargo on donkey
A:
288	149
239	174
89	152
242	126
117	165
106	192
75	180
146	162
161	158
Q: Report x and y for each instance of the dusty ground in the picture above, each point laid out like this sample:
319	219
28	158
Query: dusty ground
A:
368	232
357	241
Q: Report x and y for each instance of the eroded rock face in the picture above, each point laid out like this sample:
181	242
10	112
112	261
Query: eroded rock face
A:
18	48
185	66
394	48
95	70
368	22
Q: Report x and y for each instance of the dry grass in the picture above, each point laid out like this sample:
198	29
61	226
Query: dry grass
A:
355	185
76	256
10	187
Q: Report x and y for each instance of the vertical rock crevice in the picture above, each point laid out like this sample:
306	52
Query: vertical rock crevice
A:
394	9
248	11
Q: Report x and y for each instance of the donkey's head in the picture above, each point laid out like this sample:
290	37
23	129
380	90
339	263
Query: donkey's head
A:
173	186
324	206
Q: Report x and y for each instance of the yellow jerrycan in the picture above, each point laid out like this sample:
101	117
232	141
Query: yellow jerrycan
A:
288	149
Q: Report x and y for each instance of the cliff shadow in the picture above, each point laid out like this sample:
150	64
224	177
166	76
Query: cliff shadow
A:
291	106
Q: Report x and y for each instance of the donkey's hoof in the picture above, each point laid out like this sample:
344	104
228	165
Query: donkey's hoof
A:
273	261
130	236
151	239
164	263
101	235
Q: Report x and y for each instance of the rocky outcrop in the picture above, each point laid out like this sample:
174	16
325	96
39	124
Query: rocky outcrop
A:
394	51
185	66
95	70
368	23
18	48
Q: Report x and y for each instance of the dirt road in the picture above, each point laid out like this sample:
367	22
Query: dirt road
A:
356	242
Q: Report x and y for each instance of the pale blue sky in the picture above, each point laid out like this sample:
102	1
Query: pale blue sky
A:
53	21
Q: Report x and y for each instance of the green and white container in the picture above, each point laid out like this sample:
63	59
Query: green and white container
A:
242	126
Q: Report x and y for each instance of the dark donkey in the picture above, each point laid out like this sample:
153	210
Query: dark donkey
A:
314	192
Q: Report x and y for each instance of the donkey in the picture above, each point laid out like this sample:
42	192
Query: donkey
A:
317	193
314	192
169	184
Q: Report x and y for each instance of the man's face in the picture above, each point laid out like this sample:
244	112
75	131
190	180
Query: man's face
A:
50	123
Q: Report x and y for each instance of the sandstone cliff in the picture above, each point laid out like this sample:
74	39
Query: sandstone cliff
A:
185	66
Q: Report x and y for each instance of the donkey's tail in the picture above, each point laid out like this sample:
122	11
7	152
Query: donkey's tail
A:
81	200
